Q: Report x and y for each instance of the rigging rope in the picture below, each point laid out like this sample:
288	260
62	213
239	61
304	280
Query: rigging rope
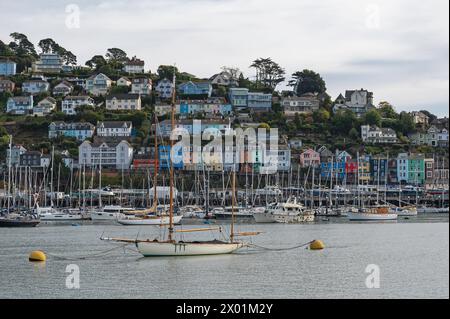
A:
280	249
99	254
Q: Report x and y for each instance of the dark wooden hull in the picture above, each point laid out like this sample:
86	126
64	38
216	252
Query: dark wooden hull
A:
18	223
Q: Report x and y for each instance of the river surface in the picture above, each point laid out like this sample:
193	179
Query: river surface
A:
412	256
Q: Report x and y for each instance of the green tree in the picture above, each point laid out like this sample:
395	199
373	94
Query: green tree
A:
387	111
268	73
96	62
321	116
307	81
353	134
372	117
167	71
343	121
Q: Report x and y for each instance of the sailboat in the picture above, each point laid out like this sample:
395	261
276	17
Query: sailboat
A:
16	219
170	246
372	213
149	217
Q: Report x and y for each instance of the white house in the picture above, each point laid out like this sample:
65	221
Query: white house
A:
62	89
357	101
45	107
19	105
224	79
107	154
35	86
98	84
123	81
123	102
164	88
307	103
141	86
376	135
114	129
134	66
70	103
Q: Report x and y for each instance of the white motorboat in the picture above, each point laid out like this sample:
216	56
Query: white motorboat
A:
407	211
111	212
148	220
192	212
269	191
286	213
378	213
61	215
240	213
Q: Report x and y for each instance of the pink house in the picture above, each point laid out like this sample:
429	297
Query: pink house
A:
310	158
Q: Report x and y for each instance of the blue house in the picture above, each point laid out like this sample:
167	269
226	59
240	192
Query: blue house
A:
7	67
379	169
195	89
164	158
335	168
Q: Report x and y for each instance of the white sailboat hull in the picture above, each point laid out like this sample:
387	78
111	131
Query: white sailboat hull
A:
293	219
264	218
106	216
368	216
60	217
155	249
158	221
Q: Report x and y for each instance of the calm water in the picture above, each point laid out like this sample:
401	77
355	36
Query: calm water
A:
413	256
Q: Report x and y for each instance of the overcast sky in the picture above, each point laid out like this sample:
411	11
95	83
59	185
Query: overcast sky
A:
399	49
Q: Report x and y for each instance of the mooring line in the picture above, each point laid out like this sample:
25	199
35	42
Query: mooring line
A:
280	249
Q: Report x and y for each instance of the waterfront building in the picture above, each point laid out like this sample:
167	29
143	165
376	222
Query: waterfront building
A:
114	129
81	130
402	167
379	169
325	154
357	101
19	105
118	102
310	158
335	170
48	63
107	153
98	84
16	151
164	157
70	103
8	68
429	172
416	169
193	127
34	159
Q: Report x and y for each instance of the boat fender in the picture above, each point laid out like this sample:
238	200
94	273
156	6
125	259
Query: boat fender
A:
316	245
37	255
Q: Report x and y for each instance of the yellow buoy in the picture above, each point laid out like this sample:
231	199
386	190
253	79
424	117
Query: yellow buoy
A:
316	245
37	255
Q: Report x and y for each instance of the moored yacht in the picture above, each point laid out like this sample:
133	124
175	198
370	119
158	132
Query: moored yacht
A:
111	212
376	213
288	212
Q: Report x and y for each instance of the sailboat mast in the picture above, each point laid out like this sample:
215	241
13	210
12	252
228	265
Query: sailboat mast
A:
233	204
155	172
171	160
